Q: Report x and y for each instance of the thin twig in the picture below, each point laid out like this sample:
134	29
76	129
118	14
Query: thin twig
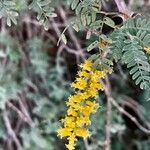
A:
24	109
110	102
62	47
73	37
121	72
109	115
87	147
71	33
20	113
11	132
122	7
132	118
122	110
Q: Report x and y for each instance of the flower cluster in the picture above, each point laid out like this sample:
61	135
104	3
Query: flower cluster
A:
82	104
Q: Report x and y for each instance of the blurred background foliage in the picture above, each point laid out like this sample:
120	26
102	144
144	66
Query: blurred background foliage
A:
35	77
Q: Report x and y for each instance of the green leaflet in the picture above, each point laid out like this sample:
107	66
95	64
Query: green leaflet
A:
128	45
86	11
117	44
137	62
12	9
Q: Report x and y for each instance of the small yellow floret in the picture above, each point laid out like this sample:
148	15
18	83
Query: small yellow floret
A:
147	49
69	122
79	84
72	142
63	132
83	74
87	65
72	112
82	132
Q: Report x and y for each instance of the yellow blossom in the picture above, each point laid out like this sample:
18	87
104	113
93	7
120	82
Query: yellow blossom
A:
72	112
82	132
69	122
79	84
99	74
93	104
92	92
81	104
87	65
63	132
87	110
81	121
72	139
74	99
83	74
97	86
76	107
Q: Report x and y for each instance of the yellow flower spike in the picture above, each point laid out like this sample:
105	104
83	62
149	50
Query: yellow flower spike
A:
81	104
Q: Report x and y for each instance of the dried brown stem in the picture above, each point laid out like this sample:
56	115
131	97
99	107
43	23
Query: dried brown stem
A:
110	102
73	37
20	113
132	118
122	7
108	115
78	51
23	106
11	132
87	147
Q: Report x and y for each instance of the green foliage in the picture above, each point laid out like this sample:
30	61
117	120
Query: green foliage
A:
88	15
143	145
45	84
92	46
8	9
9	87
11	9
117	44
39	61
87	11
44	10
137	61
128	45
